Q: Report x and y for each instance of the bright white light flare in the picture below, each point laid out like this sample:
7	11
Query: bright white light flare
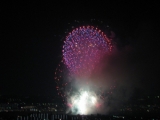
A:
83	102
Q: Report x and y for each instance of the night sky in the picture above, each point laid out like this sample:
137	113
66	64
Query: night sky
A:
32	33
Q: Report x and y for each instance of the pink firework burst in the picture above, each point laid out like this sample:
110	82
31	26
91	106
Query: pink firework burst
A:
83	49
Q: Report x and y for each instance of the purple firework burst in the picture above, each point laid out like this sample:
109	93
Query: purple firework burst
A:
83	49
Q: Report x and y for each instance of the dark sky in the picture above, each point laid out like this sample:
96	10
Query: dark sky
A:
31	34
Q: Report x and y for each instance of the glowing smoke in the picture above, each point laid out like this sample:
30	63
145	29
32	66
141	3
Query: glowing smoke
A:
83	102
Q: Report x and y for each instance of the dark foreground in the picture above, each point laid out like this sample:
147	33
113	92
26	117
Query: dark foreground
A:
51	116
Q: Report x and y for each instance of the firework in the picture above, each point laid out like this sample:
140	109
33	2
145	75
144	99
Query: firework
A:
83	49
83	102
